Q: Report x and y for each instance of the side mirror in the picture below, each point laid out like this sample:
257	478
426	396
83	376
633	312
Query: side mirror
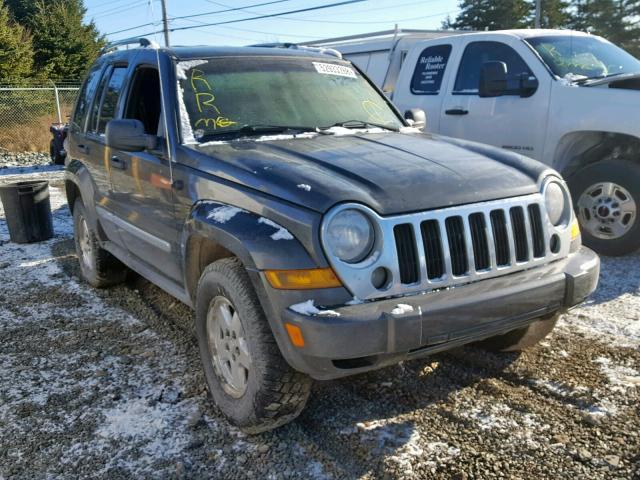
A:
128	135
528	85
416	118
493	79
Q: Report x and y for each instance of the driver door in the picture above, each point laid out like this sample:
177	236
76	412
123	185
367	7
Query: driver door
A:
510	121
142	196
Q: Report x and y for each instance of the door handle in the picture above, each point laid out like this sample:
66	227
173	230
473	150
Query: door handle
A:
456	111
83	149
118	163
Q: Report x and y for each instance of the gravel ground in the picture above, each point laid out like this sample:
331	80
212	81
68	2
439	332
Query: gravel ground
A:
107	383
22	160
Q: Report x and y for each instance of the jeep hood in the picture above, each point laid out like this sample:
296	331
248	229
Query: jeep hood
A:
390	172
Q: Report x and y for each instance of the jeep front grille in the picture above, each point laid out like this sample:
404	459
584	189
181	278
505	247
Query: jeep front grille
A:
469	246
451	246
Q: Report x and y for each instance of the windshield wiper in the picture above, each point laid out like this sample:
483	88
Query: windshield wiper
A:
360	124
259	129
581	81
248	129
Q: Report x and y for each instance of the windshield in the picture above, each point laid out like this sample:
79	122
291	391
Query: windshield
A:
227	96
583	57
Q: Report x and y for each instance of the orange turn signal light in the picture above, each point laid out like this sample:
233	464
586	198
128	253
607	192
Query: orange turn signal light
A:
302	279
575	229
295	335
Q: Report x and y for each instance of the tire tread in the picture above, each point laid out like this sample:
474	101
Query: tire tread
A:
273	405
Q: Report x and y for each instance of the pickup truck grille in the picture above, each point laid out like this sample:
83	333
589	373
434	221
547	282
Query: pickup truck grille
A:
452	246
461	245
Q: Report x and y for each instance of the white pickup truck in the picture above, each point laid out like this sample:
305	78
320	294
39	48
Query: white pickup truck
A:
568	99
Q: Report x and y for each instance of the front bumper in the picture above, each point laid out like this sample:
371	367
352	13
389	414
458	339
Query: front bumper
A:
369	335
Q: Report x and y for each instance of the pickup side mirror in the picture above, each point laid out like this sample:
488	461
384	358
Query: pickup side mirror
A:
493	79
528	85
128	135
416	118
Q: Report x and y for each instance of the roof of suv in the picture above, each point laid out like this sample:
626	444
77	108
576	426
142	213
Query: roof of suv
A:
204	51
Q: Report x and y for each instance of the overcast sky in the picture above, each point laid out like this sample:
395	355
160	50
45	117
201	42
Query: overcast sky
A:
364	16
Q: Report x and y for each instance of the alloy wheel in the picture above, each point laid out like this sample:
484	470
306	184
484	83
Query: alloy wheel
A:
228	346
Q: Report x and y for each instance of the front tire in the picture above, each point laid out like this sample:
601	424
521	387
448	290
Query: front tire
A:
522	338
97	266
606	196
247	376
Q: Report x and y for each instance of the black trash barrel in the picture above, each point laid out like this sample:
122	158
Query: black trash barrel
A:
27	210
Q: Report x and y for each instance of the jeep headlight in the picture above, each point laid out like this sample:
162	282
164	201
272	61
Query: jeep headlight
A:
350	236
557	203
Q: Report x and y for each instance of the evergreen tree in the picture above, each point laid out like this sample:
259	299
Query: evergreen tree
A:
21	10
615	20
553	13
16	54
64	47
490	15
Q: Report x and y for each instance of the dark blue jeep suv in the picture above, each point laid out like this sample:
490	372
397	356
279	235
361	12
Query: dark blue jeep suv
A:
315	231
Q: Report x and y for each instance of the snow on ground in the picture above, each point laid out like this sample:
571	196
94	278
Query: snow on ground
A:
108	383
140	404
613	311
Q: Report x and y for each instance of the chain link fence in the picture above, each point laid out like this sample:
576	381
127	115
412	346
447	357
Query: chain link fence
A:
28	109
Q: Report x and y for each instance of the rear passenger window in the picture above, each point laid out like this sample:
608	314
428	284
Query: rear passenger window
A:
111	96
95	107
427	77
85	97
476	54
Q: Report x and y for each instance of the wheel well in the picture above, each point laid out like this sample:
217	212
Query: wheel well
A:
577	149
201	252
73	192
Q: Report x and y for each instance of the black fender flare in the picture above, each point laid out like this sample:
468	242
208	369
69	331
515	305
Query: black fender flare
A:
258	242
76	172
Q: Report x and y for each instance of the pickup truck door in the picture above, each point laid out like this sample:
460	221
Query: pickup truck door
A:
512	122
142	202
424	77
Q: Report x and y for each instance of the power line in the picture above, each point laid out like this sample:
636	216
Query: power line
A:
245	9
101	8
200	15
398	20
229	9
308	9
278	34
120	9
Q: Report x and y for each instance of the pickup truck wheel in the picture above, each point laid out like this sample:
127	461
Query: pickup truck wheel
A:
521	338
97	266
247	376
606	196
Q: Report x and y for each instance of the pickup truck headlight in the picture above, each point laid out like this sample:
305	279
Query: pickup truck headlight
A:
350	236
557	203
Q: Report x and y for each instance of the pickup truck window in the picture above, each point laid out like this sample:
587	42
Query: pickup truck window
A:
580	58
221	95
111	96
85	97
476	54
427	77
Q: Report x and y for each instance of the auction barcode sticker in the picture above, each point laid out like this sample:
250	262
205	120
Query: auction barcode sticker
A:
333	69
